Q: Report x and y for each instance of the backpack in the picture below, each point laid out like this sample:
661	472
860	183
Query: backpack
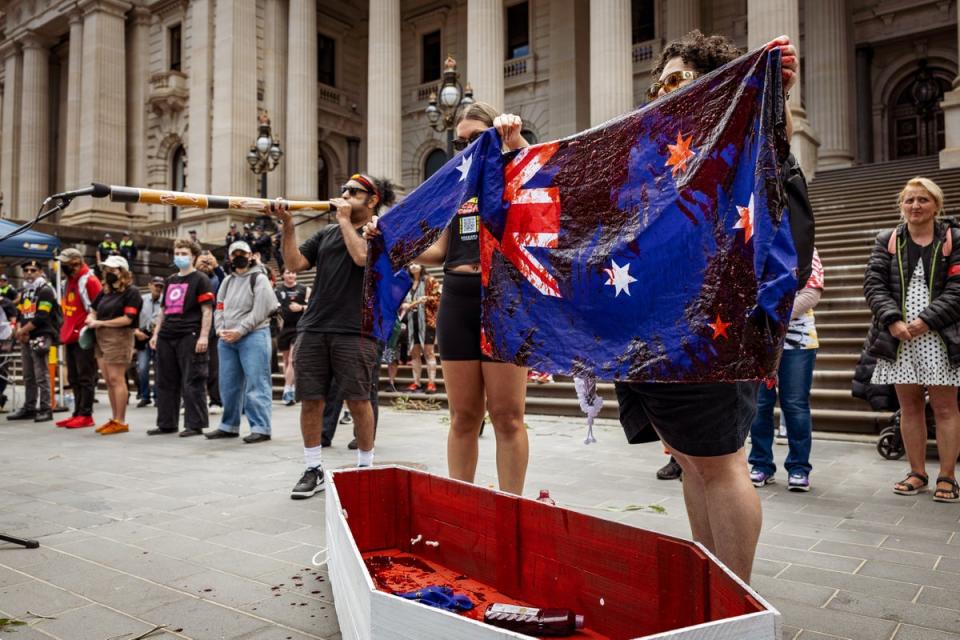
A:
802	223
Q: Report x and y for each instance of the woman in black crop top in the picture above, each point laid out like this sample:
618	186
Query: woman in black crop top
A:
468	375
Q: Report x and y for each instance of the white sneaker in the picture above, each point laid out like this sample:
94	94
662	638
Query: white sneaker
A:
215	410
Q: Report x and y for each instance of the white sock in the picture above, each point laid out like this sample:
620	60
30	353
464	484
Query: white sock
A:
287	388
312	456
364	458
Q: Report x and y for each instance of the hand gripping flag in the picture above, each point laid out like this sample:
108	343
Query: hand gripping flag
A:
655	247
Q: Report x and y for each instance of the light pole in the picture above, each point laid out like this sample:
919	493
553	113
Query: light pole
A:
264	154
442	114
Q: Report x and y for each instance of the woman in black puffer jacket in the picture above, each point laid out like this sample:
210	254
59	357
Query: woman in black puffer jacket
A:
912	285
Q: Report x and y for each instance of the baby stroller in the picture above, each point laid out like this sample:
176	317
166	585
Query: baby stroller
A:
890	442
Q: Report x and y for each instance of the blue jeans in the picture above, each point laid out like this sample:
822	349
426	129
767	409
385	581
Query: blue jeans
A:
245	382
794	380
145	358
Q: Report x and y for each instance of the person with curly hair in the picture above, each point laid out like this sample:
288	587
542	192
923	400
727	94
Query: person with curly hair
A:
330	343
704	426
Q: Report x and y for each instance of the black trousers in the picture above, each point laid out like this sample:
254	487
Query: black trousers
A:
181	373
333	405
82	376
213	376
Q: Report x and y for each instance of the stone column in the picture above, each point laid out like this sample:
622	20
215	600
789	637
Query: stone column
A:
103	107
611	60
828	67
383	79
34	126
767	19
137	87
74	81
9	151
950	156
302	148
864	105
234	97
485	50
199	108
569	68
683	16
275	89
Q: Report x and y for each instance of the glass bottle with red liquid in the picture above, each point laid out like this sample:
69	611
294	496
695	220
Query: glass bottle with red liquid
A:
533	622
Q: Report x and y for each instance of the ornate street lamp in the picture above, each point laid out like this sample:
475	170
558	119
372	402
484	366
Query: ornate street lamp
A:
264	154
442	111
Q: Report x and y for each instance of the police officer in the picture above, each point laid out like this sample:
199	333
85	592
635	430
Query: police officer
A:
127	249
107	248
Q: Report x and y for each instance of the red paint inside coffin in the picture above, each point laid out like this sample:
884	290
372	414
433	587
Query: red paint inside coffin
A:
539	554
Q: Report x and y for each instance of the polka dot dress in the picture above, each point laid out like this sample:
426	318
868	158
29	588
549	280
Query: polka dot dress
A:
922	360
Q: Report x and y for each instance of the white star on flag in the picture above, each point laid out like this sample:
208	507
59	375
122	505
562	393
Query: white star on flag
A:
619	277
464	167
746	220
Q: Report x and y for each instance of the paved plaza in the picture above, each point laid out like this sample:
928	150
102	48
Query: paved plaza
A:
202	537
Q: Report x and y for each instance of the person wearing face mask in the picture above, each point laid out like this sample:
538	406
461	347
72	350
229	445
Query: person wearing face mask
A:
38	329
181	339
146	356
82	288
114	317
207	265
245	304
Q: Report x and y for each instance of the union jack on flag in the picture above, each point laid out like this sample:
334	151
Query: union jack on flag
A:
655	247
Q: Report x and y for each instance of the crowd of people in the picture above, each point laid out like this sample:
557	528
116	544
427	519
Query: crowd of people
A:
205	323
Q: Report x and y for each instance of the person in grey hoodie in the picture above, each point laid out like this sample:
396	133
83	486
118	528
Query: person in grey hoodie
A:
245	303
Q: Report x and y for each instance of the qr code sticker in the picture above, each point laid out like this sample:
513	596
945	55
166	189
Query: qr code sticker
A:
468	225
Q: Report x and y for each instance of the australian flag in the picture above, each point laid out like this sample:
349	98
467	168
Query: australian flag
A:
655	247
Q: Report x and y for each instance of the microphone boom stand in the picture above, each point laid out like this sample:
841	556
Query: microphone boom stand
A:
60	203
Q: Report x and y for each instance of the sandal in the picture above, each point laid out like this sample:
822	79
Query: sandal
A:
911	490
947	495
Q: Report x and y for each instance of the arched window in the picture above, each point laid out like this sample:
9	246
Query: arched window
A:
178	175
916	119
434	160
529	136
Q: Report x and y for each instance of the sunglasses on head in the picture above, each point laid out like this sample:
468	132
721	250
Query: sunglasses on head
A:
671	82
352	191
460	144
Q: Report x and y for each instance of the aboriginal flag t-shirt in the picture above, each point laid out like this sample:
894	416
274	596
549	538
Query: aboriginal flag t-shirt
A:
183	298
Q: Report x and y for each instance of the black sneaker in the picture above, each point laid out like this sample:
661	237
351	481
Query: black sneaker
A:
219	433
353	445
43	416
23	414
160	432
143	403
186	433
670	471
311	483
347	418
253	438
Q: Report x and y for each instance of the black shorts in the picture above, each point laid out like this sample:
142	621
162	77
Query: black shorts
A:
703	420
319	357
458	320
286	339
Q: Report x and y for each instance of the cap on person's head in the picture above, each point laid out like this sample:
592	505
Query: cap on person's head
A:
233	225
126	233
157	280
3	277
239	245
116	262
70	255
107	235
36	264
192	232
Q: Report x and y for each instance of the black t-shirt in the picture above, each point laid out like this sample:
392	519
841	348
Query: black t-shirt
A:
915	254
336	304
113	304
286	296
183	297
463	243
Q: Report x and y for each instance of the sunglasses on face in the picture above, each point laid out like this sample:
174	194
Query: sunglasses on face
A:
352	191
460	144
30	270
671	82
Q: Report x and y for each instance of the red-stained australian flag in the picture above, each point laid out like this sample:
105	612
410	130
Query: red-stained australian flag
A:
655	247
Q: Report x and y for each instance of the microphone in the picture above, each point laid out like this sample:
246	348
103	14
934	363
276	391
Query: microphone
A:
95	189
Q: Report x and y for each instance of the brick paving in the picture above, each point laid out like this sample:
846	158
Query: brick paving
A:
202	537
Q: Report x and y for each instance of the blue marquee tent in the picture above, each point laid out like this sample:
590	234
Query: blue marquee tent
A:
29	244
